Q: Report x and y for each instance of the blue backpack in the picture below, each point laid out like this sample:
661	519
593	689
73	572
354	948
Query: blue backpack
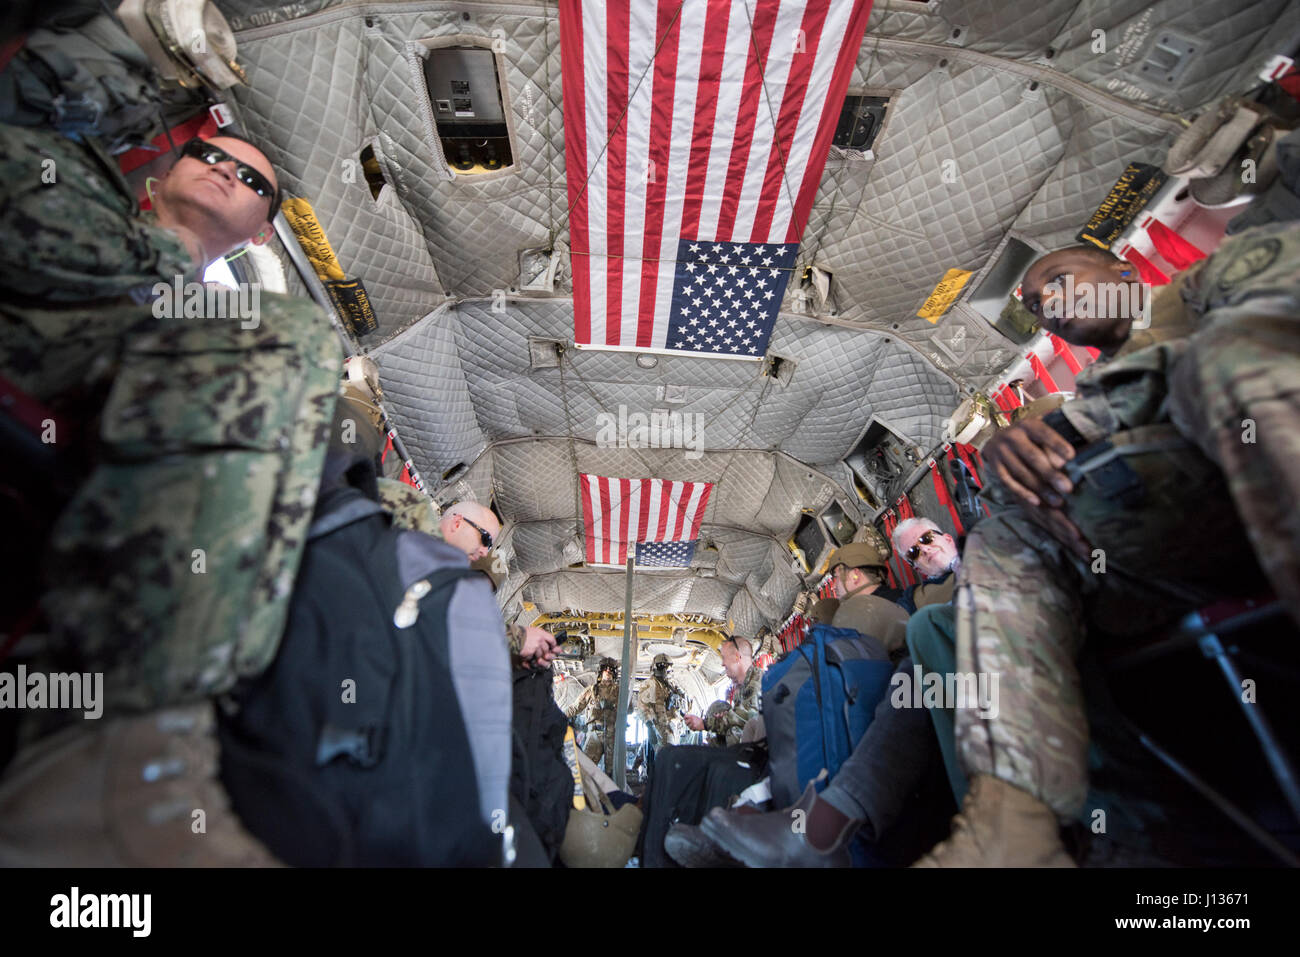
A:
817	703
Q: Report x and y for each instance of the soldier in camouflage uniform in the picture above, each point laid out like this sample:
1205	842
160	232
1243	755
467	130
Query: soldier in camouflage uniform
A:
191	436
744	699
171	567
602	699
661	702
1206	424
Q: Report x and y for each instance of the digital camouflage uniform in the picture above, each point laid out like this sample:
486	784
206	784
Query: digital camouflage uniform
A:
409	507
744	701
1022	600
172	566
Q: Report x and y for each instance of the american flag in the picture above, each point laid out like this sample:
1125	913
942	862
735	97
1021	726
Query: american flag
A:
618	512
695	137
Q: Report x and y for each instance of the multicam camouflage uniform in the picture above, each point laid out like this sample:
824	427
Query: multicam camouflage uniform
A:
171	568
744	701
1232	388
654	699
602	698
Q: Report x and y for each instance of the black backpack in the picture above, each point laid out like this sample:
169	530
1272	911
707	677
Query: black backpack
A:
540	779
387	779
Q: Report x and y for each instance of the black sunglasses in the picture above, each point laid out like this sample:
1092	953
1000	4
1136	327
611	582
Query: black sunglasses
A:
205	152
925	539
483	536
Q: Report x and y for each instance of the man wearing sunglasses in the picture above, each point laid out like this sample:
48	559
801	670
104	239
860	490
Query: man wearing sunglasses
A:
171	508
473	528
220	194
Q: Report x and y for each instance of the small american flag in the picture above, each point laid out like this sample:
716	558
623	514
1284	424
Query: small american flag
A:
695	138
618	512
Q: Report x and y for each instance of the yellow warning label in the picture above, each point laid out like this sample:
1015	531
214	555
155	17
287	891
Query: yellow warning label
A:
944	295
302	218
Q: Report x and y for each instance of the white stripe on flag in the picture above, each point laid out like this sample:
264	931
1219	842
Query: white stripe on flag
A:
688	65
724	127
819	84
775	73
594	65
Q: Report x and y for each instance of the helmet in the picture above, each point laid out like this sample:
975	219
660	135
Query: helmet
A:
609	664
718	707
661	661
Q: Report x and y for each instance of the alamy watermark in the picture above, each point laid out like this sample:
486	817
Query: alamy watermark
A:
197	300
58	690
657	430
951	691
1121	300
130	911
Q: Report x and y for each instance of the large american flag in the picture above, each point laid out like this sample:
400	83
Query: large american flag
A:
696	133
619	512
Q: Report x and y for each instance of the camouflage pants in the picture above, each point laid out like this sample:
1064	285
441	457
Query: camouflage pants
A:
1019	618
600	748
1022	603
1236	393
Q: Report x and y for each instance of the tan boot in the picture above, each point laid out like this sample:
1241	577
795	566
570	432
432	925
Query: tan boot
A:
1000	826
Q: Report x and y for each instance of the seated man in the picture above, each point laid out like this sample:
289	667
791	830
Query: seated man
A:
1092	504
744	698
933	553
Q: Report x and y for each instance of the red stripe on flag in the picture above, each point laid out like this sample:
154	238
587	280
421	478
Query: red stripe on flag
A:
587	519
760	42
602	552
624	517
787	124
698	518
643	519
575	159
680	525
812	176
706	108
618	29
668	30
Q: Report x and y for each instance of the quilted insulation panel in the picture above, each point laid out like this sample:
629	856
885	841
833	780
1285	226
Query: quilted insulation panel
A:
1005	120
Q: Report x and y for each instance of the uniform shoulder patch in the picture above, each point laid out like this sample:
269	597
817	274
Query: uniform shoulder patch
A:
1250	262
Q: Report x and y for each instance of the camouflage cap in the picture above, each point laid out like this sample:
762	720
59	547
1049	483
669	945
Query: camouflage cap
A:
858	555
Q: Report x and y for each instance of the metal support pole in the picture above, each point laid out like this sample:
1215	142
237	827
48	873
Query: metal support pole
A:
1212	647
624	687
